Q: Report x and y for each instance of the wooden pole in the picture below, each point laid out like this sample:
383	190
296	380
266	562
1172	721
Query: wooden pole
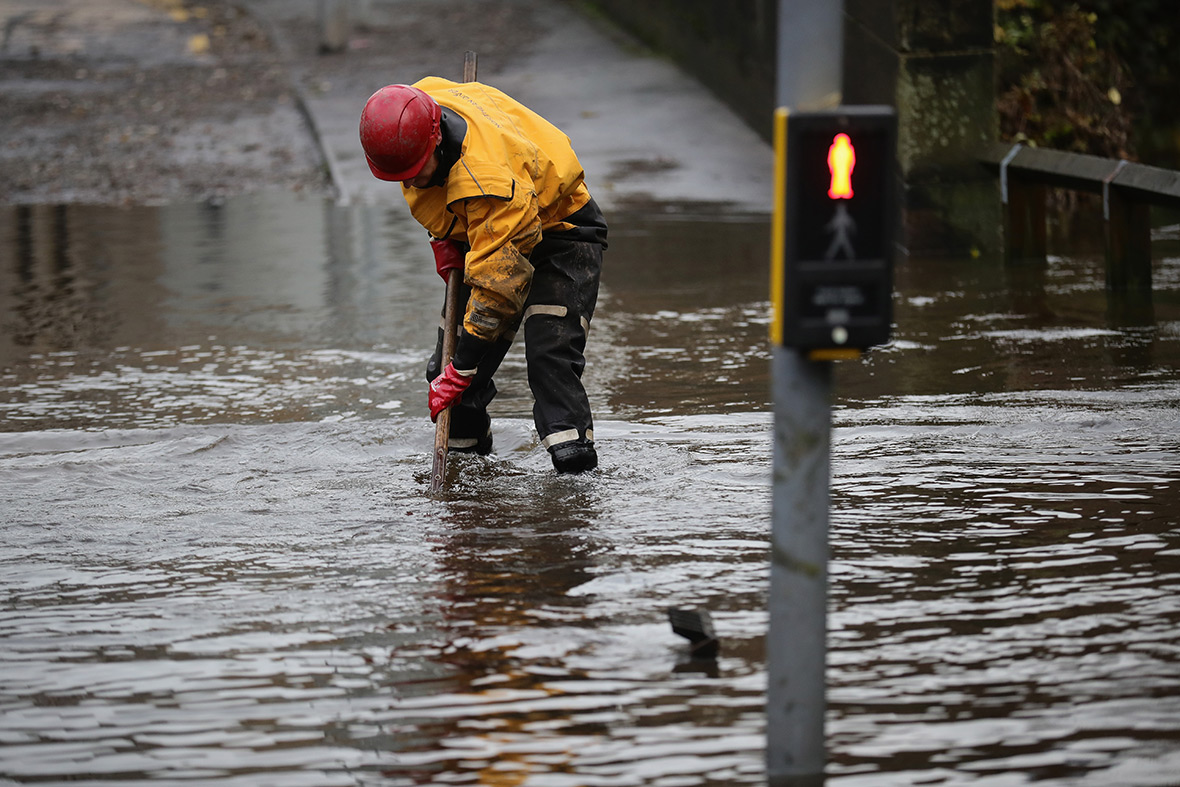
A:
1026	226
442	426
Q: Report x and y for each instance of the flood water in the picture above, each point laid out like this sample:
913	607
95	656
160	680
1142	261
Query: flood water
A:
220	563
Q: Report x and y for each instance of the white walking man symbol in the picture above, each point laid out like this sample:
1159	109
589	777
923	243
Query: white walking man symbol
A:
841	228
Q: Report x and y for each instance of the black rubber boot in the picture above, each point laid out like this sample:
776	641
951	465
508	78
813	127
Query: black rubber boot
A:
471	431
461	445
576	456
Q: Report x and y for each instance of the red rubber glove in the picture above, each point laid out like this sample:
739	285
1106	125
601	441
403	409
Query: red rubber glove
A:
446	389
447	257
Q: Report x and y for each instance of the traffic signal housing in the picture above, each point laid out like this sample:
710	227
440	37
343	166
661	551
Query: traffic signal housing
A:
834	223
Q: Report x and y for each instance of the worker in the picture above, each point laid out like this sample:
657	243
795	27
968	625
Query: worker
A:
503	198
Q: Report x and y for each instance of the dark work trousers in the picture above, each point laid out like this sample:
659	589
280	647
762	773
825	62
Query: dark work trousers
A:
556	320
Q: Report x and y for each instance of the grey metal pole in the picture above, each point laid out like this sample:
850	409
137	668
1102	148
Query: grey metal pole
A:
810	51
797	644
334	25
810	54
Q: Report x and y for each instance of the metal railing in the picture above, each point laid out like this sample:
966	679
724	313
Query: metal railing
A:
1128	191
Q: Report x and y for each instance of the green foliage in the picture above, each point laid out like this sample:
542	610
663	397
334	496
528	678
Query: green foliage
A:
1092	76
1058	87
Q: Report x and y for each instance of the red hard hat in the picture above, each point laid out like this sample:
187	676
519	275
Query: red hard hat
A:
399	129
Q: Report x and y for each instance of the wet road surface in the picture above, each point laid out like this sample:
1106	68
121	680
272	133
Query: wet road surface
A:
221	566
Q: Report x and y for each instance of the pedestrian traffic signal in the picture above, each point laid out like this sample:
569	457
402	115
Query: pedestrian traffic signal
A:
835	214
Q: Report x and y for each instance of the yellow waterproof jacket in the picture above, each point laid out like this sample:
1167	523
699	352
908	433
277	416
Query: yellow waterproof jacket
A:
517	177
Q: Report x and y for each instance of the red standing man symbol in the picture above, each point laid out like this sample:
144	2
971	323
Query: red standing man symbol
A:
841	161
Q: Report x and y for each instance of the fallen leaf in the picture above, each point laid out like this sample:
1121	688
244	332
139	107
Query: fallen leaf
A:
198	44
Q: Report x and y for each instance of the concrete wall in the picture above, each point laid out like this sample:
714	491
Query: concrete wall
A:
931	59
728	45
934	61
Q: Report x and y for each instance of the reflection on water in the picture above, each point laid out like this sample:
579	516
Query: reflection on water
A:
221	565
